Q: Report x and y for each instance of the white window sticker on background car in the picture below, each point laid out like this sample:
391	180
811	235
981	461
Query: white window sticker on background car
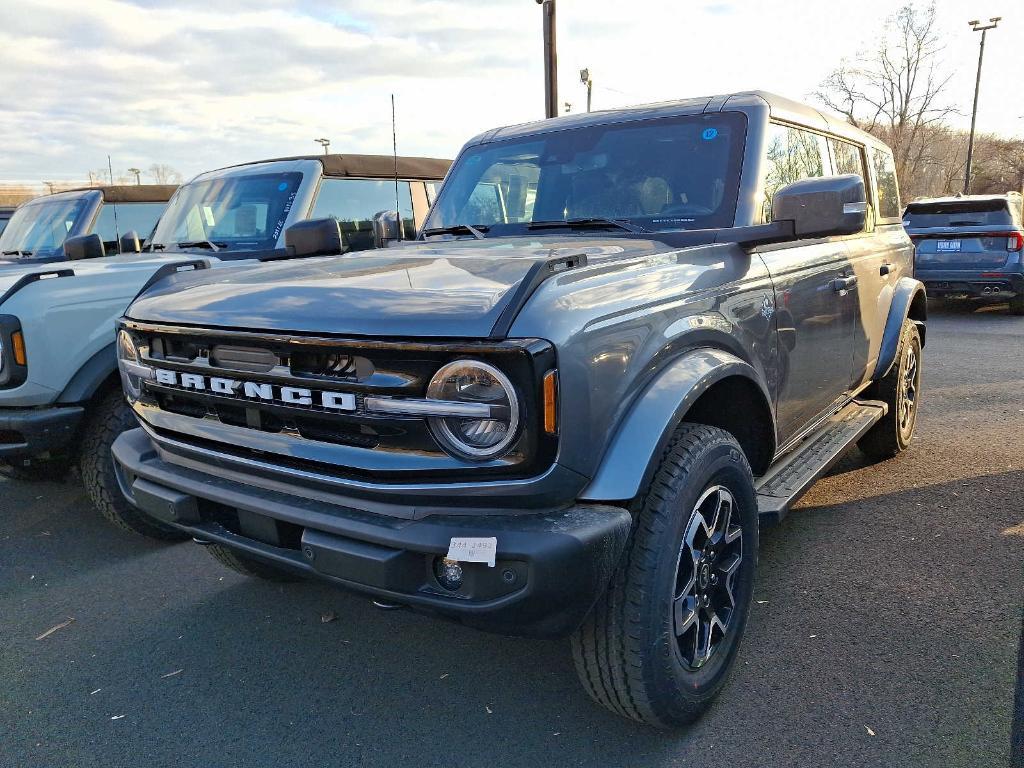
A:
947	245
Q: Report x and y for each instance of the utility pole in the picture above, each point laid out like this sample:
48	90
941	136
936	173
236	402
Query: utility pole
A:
136	171
589	82
976	27
550	59
325	143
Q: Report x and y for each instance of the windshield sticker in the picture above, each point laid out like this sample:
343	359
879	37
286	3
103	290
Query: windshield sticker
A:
709	134
282	186
284	214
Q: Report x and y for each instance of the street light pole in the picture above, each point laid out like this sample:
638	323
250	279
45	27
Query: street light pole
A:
550	59
136	171
588	81
976	27
325	143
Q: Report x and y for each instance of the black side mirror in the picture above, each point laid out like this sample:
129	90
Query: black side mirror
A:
315	237
84	247
385	228
130	242
821	207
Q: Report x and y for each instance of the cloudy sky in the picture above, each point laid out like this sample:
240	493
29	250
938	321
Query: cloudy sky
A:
198	84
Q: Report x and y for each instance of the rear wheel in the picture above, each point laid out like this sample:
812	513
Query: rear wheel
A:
901	391
659	645
250	566
1017	304
108	418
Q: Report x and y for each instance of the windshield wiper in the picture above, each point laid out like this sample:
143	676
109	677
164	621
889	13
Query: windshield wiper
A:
458	229
17	253
590	222
203	244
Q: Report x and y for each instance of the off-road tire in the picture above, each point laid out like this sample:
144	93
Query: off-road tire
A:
892	434
109	416
626	652
40	470
1017	304
250	566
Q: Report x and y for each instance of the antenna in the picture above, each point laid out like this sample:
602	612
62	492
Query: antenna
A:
117	233
394	151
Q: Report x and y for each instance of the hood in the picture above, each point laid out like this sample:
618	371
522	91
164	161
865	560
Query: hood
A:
452	289
109	269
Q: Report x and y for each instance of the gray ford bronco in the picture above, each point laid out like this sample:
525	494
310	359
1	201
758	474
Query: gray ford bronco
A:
622	341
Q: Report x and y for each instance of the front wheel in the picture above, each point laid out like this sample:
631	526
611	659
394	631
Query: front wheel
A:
659	645
109	416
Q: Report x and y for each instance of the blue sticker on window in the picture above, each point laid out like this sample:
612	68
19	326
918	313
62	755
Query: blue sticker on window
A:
284	184
709	134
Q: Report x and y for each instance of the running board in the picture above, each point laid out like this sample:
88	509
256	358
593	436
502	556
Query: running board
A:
788	480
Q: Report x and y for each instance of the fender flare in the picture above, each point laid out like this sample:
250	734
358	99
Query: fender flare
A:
91	376
641	435
904	294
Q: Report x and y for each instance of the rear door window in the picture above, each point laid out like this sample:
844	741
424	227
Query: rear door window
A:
887	191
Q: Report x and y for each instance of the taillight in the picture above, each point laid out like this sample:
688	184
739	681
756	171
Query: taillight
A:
1014	241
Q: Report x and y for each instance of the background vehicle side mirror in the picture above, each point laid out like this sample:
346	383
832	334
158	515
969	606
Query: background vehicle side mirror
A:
315	237
84	247
130	242
385	228
821	207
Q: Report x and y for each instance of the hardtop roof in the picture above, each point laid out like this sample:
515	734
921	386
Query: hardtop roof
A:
779	107
370	166
119	193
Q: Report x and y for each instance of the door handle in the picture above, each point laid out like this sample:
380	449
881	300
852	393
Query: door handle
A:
885	269
841	284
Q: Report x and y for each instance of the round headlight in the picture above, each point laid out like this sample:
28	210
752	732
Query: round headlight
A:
478	437
126	349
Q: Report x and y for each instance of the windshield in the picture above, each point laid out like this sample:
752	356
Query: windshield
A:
666	173
41	227
962	213
235	212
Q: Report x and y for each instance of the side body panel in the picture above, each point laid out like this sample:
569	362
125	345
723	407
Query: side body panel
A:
617	329
816	328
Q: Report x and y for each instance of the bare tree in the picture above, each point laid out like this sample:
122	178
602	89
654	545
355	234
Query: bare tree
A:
896	92
163	174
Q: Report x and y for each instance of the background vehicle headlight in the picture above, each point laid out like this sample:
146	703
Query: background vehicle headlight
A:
473	437
126	349
132	370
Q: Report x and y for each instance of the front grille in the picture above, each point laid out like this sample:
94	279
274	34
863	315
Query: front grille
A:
333	378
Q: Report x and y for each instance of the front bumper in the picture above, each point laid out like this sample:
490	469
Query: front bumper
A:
28	432
550	567
993	285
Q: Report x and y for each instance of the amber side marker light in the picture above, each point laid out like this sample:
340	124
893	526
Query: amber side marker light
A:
551	402
18	347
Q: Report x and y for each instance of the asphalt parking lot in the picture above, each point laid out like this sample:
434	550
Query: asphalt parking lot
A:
885	630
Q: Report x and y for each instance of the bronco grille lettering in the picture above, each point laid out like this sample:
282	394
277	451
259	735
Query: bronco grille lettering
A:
257	390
